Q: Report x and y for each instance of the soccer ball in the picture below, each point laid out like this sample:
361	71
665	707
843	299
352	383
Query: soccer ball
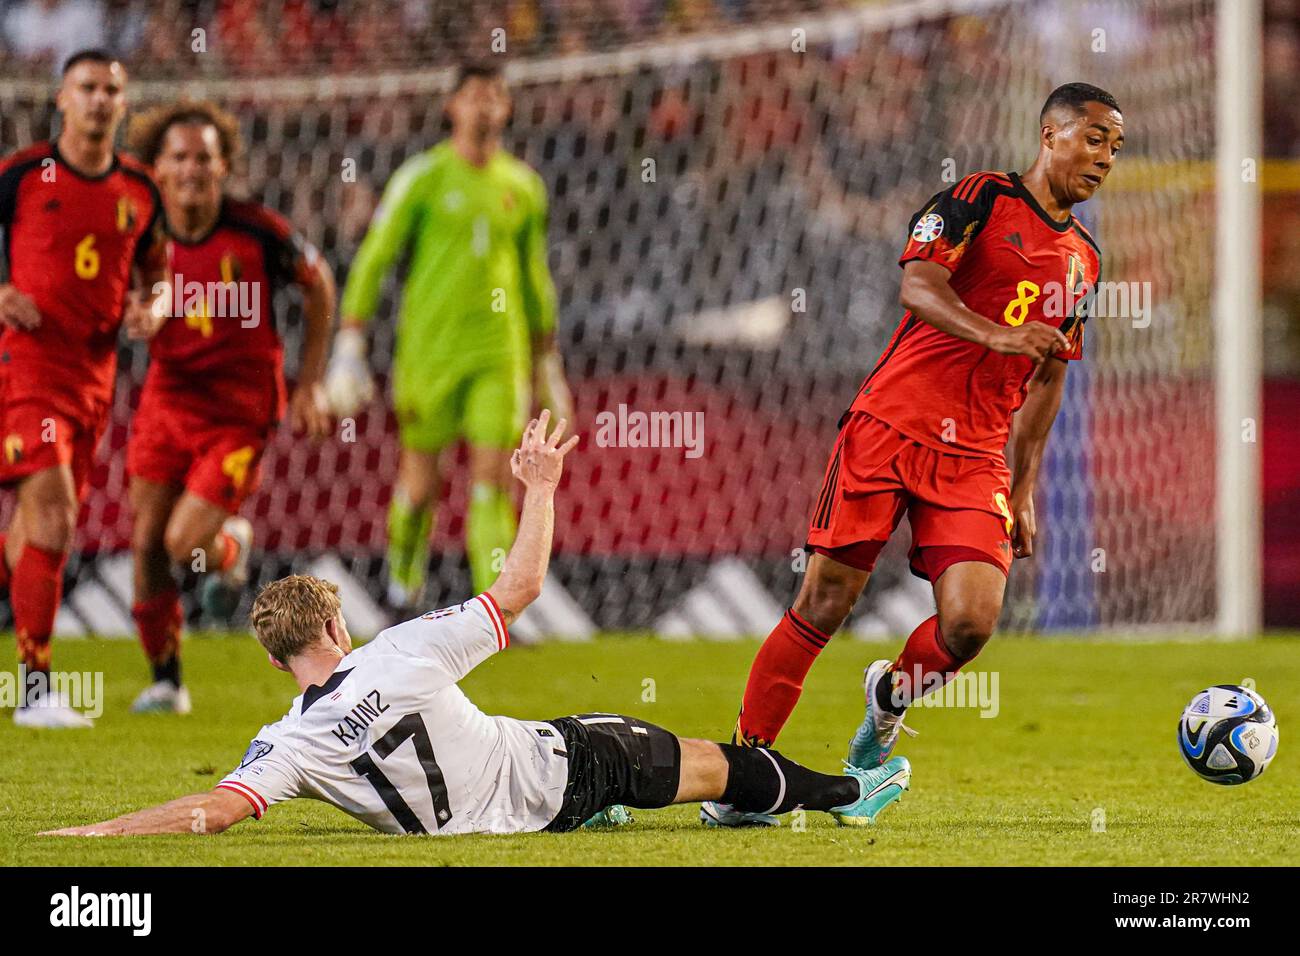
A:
1227	734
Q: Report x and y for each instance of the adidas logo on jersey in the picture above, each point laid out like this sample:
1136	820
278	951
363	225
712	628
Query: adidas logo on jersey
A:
1015	240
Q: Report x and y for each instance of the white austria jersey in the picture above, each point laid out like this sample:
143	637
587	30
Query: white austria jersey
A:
391	739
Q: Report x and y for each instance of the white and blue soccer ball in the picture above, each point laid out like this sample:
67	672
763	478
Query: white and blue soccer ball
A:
1228	734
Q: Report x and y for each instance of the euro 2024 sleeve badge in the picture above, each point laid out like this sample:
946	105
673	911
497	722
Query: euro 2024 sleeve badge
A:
928	228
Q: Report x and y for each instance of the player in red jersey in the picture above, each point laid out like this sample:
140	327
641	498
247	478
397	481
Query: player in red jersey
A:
996	276
215	388
82	224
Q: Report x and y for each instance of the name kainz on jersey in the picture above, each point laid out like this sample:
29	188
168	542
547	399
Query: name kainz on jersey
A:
360	717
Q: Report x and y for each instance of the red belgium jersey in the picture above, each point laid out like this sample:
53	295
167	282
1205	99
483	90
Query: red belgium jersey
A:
1011	263
70	243
221	346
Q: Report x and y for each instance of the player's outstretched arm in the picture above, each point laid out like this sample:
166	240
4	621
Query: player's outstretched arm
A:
210	812
1029	430
926	292
308	408
538	462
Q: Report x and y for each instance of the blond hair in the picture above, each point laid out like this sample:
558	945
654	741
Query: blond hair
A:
289	615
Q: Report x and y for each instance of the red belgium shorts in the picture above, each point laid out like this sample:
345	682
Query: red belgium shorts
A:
36	437
957	503
174	443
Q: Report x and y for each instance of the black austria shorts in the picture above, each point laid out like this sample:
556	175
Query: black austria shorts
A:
615	760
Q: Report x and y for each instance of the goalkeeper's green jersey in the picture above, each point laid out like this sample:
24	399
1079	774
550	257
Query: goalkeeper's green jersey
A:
478	285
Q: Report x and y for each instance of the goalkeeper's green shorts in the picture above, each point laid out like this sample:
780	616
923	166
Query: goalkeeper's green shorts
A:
487	406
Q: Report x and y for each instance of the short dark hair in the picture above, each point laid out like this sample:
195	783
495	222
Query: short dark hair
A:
469	69
90	55
1076	96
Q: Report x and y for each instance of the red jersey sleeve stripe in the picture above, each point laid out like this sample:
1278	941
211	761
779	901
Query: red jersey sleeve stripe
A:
963	190
498	621
248	793
969	188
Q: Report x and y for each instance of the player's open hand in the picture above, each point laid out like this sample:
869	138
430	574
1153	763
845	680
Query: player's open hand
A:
1037	340
309	410
16	310
1025	526
143	317
539	461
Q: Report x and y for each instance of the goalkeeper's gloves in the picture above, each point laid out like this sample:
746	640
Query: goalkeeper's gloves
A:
349	386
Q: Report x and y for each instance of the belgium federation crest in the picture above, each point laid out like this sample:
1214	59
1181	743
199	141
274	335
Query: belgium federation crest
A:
126	216
1076	275
231	269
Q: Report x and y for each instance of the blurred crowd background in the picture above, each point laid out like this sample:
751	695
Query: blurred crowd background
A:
290	36
776	172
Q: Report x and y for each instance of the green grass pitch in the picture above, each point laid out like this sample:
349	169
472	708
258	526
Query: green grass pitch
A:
1085	730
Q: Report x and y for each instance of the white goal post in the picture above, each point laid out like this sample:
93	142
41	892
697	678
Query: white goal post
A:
1238	322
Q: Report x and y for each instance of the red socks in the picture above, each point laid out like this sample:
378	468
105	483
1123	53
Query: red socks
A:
776	679
35	590
778	672
159	621
924	658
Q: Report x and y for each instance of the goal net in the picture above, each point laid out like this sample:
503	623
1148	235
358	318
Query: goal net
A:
727	205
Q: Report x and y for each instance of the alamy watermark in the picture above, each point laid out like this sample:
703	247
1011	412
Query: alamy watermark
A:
975	689
76	908
633	429
80	690
1102	300
203	301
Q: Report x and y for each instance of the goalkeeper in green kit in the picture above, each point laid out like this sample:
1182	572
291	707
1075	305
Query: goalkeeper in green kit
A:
476	333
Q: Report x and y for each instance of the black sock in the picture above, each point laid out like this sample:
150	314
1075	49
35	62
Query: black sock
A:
763	781
885	695
169	669
36	684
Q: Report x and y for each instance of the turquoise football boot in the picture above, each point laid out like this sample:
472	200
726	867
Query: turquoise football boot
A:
873	744
880	787
615	816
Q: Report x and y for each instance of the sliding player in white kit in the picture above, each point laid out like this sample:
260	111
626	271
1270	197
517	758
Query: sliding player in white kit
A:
384	734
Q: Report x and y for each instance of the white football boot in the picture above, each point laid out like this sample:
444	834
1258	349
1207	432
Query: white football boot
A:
51	712
162	697
716	814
